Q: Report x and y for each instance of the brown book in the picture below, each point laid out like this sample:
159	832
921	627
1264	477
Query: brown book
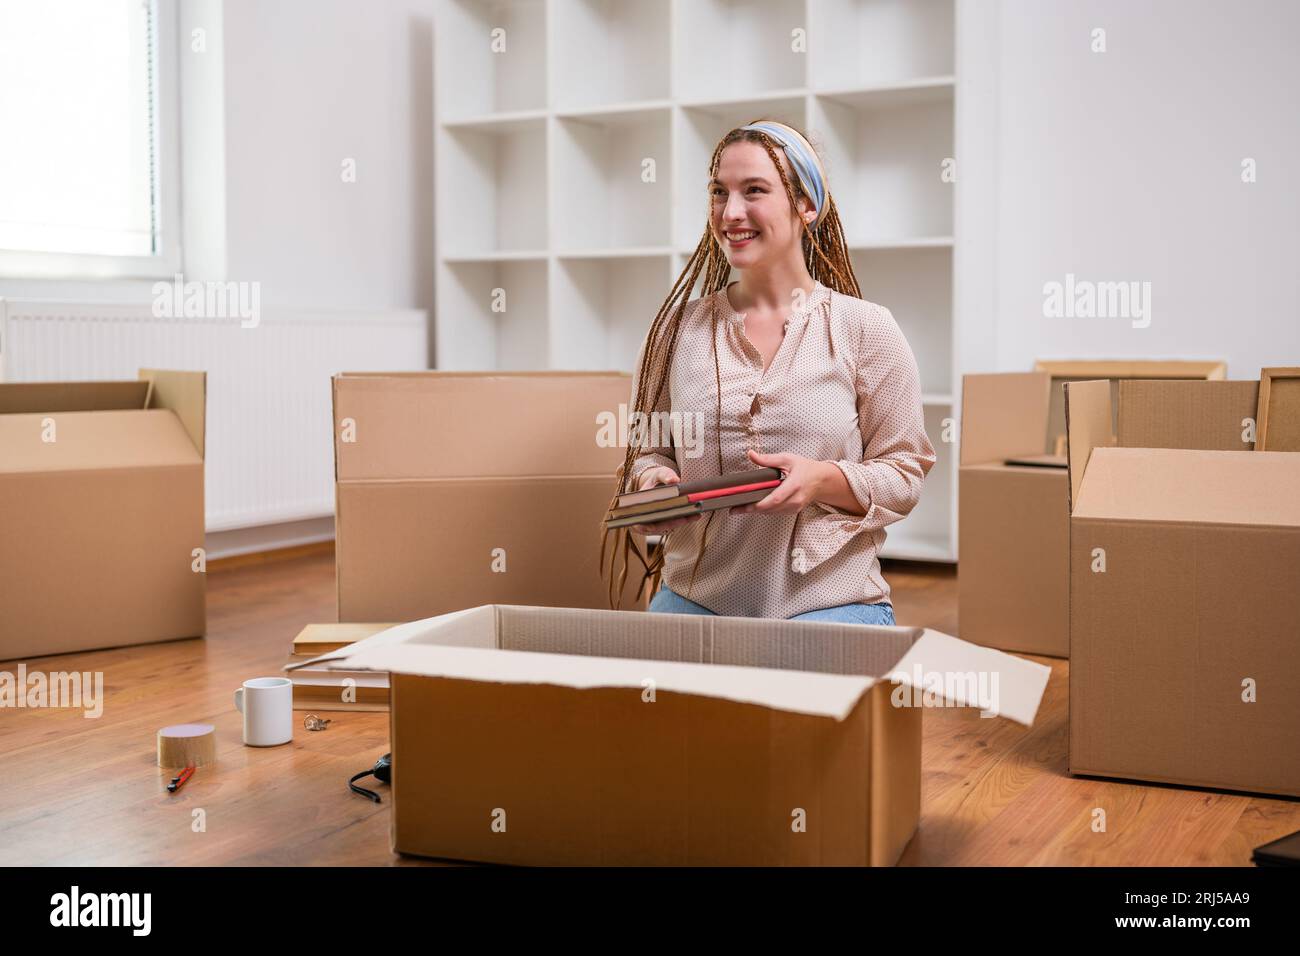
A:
648	506
663	492
698	507
653	516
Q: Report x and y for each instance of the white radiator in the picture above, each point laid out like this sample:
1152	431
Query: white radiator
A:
270	455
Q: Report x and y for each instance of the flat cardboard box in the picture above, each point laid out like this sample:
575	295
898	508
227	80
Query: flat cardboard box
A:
562	736
455	489
1183	600
101	506
1012	576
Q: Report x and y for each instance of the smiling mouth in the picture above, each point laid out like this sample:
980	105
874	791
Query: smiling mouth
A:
736	238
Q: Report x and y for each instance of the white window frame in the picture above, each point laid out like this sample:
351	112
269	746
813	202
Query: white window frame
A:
166	263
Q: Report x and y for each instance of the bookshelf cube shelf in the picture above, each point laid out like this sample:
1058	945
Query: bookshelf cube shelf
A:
887	151
867	43
613	180
498	169
571	148
611	51
500	310
494	56
916	286
732	49
604	307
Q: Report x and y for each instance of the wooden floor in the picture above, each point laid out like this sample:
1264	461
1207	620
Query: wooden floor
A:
78	791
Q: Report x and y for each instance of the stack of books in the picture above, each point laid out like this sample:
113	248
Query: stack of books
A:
664	502
315	688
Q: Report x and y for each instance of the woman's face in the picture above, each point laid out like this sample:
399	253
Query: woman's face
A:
749	212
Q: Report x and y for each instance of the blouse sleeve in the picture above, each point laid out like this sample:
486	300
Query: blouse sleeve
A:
896	451
897	454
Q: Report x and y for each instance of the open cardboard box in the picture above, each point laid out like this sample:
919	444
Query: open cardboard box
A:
101	508
455	489
1012	577
1184	564
551	736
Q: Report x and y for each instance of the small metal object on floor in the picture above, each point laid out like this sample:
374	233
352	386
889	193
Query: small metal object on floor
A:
312	722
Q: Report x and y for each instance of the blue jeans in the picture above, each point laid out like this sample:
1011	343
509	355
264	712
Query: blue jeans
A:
669	601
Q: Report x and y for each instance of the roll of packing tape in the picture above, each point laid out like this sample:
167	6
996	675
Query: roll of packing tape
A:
187	745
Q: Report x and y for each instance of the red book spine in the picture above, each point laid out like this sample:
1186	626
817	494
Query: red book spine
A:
737	489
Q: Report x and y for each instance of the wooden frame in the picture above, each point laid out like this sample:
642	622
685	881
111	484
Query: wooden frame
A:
1279	407
1134	368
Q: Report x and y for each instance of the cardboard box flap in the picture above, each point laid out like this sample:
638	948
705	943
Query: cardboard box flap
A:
46	397
456	425
1003	415
83	441
1174	414
472	627
185	394
974	676
1192	485
800	692
1087	425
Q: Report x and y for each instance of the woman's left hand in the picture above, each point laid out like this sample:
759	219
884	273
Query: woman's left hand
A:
803	482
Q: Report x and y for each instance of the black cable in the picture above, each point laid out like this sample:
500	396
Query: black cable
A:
382	771
352	785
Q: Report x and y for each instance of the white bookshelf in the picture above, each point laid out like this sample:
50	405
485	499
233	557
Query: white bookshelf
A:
556	241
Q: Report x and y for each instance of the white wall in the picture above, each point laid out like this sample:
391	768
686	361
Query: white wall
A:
1126	165
286	90
310	83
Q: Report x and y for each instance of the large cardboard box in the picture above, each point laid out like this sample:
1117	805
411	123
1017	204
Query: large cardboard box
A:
552	736
455	489
1013	519
101	510
1184	563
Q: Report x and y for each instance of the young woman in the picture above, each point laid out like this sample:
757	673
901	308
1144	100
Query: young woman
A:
788	368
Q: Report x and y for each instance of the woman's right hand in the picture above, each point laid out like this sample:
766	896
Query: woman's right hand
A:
661	475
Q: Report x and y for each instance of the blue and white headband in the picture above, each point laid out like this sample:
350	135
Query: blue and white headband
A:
803	160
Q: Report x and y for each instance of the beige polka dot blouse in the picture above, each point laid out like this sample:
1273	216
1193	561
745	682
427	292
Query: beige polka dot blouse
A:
843	387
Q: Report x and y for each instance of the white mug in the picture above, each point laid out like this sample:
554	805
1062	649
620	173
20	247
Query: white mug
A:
267	706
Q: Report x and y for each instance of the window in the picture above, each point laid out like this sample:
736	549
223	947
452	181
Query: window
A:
88	168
